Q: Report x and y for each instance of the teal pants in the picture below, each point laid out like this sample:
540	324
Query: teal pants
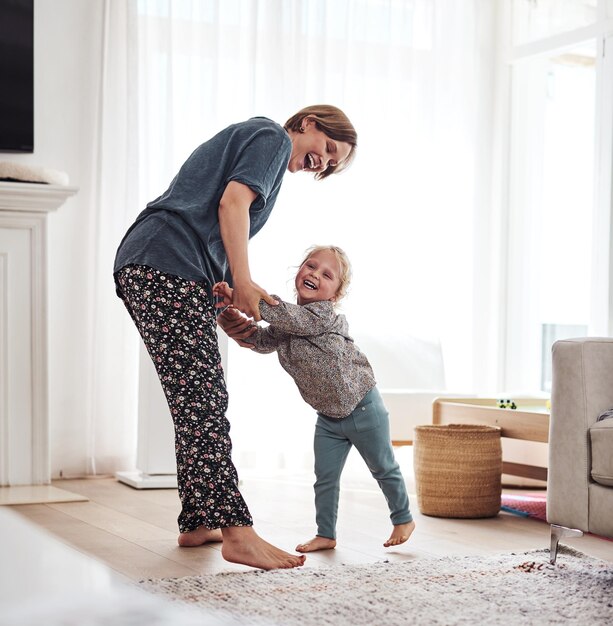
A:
366	428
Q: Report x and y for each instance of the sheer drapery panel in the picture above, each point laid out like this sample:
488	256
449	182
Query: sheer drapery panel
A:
414	211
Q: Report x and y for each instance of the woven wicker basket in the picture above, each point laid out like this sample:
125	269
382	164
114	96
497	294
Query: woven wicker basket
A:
457	470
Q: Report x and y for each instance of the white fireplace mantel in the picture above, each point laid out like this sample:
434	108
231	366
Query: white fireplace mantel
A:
24	421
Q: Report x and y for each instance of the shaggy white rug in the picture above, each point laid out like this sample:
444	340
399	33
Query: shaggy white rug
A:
520	588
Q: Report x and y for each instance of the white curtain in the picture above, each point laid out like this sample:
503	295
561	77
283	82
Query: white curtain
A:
415	78
113	348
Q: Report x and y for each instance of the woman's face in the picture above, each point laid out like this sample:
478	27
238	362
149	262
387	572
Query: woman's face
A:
313	151
318	278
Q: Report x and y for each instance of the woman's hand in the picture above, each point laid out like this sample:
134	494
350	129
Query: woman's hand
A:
237	326
246	297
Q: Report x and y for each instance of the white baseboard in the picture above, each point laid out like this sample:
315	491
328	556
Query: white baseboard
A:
139	480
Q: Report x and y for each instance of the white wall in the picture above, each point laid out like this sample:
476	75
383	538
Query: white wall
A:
67	61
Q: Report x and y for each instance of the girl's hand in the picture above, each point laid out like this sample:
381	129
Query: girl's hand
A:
247	296
237	326
223	291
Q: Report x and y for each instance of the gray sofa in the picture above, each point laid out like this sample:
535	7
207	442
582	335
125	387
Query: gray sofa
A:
580	480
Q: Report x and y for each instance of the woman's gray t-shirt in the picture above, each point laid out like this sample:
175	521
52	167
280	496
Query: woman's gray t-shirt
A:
179	231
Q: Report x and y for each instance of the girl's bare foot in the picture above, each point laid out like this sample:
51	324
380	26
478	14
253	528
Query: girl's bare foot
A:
241	544
400	534
199	537
318	543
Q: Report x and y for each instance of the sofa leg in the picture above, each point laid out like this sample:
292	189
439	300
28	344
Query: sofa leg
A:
557	532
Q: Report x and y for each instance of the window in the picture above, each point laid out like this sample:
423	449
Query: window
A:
555	200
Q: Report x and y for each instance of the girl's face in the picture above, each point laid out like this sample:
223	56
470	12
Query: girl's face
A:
313	151
318	278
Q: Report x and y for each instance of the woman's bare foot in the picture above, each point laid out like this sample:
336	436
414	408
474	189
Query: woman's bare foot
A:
400	534
199	537
317	543
241	544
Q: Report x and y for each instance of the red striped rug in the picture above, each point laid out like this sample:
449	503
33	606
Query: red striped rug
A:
530	504
527	504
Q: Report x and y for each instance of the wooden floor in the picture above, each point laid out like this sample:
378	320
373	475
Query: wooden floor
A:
134	531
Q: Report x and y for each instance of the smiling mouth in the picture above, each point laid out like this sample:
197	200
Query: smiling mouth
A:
309	285
309	162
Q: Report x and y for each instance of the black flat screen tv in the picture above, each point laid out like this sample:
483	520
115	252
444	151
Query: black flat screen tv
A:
16	75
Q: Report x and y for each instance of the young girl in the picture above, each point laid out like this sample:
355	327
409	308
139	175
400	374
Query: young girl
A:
336	379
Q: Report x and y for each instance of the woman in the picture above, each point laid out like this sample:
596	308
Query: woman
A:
194	235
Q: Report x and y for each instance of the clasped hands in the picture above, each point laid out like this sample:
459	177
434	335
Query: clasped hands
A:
236	324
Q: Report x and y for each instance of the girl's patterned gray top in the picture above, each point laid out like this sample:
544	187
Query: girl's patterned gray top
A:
314	347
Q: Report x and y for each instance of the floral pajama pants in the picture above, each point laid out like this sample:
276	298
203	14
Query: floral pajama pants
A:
176	319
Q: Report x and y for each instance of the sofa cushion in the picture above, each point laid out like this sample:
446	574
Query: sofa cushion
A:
601	436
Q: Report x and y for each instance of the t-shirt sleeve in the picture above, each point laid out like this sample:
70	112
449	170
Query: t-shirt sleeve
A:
262	160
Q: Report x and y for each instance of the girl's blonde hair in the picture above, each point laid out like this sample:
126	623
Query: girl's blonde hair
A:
343	262
335	124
